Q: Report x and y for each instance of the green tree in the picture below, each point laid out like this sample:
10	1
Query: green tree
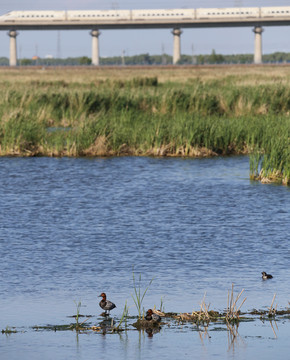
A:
84	60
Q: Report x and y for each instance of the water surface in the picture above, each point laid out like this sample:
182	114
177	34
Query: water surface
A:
73	228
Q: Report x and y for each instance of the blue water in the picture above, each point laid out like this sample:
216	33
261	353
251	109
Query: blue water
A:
73	228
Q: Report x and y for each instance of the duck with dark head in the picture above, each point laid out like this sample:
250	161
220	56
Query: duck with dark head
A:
266	276
151	316
105	304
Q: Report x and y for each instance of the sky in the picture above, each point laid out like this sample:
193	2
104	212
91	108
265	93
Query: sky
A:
73	43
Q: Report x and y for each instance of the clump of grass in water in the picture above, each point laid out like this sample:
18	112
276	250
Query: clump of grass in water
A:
9	330
123	319
204	315
162	309
272	310
138	298
78	306
233	312
78	326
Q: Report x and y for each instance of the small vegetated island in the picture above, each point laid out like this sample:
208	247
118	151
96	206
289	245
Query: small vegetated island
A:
194	111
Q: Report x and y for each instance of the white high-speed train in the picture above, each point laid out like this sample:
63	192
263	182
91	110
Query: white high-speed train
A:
112	16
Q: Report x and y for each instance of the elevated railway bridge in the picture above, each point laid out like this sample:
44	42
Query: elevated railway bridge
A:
175	19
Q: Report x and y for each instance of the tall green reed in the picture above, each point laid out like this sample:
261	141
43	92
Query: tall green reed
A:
139	295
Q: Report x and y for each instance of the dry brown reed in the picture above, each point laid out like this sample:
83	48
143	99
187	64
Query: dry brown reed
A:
201	316
233	311
272	310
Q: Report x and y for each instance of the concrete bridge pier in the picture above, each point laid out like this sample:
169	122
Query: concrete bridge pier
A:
13	50
95	47
176	44
258	44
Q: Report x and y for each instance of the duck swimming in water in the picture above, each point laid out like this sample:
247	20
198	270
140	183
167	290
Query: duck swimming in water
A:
151	316
106	304
266	276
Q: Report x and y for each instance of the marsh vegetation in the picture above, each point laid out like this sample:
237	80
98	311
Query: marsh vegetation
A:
192	112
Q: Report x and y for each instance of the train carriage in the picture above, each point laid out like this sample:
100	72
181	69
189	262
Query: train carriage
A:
275	11
23	16
107	15
163	14
219	13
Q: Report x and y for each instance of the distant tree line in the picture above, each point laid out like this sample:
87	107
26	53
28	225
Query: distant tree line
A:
146	59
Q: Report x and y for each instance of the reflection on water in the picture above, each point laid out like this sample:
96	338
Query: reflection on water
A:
72	228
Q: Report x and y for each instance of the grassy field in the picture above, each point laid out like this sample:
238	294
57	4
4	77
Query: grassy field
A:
161	111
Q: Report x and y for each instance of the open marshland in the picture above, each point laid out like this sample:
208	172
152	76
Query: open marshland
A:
166	111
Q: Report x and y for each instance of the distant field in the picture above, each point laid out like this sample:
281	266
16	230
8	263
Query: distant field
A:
152	111
240	74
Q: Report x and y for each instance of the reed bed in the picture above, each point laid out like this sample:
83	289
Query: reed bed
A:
98	114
